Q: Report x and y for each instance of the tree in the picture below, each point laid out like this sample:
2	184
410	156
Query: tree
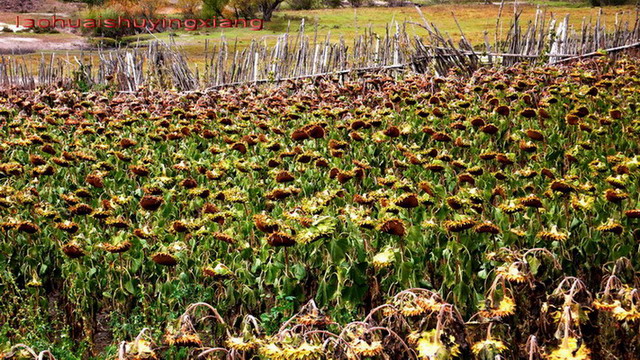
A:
211	8
148	8
267	7
188	7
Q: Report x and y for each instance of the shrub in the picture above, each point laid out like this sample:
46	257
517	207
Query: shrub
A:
98	13
301	4
608	2
104	42
332	3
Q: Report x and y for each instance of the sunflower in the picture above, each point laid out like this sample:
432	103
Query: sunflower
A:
407	201
562	186
606	305
511	207
553	235
220	271
506	307
185	339
615	196
621	314
359	347
279	238
489	348
531	201
582	202
632	214
313	318
240	344
512	273
265	223
611	227
151	202
140	350
95	179
430	346
118	248
73	249
384	258
569	349
459	225
429	304
68	227
81	209
393	226
164	258
487	227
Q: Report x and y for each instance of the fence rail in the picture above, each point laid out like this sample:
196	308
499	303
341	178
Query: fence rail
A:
299	54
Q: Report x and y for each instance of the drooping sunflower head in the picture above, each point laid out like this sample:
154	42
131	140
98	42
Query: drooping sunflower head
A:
570	349
239	343
505	307
384	259
363	348
489	348
553	235
430	345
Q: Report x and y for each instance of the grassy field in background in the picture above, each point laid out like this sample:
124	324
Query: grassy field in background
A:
349	23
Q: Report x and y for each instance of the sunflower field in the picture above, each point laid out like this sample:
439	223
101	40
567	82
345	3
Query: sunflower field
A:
486	217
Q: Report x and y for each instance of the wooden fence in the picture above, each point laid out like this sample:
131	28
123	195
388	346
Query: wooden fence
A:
302	53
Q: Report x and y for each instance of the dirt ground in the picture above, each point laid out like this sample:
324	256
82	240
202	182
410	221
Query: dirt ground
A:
43	6
24	43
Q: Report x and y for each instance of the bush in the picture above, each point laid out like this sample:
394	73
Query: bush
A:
608	2
332	3
101	13
103	42
301	4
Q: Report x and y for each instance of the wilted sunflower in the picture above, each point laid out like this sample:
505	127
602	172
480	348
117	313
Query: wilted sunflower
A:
487	227
582	202
430	346
279	238
488	348
611	227
511	207
384	258
459	225
81	209
606	305
117	248
360	347
220	271
506	307
68	227
512	272
151	202
265	223
185	338
313	318
240	344
140	349
615	196
73	249
632	214
393	226
569	349
553	235
26	227
164	258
